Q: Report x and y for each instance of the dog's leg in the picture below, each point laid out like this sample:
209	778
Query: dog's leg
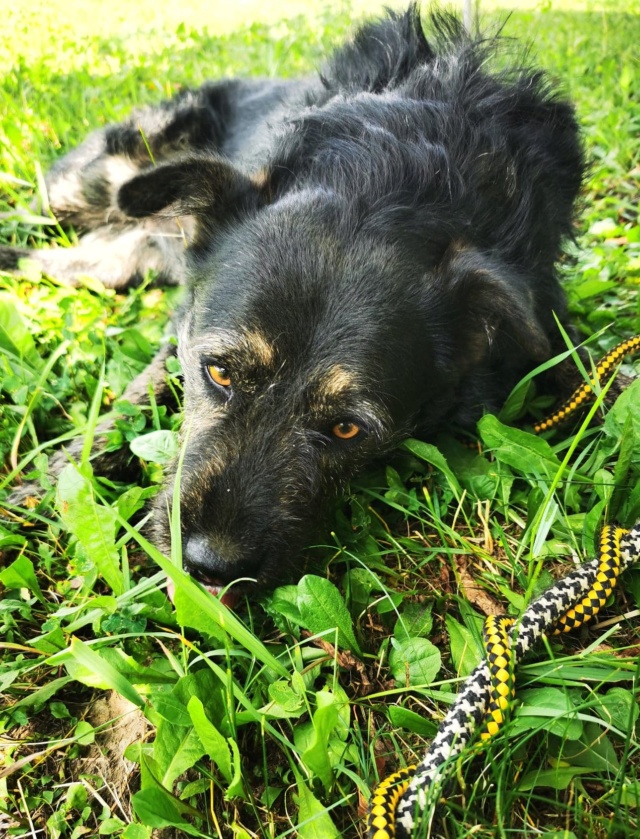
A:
117	256
82	188
82	185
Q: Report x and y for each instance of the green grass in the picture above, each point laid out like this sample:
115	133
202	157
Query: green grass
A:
261	724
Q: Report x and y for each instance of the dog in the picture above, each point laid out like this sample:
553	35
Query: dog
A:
372	254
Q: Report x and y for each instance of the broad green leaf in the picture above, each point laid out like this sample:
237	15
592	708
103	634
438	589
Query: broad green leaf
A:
213	742
525	452
85	733
619	708
155	808
398	494
550	709
270	796
359	582
110	826
157	673
37	698
314	822
207	687
592	288
629	445
197	608
323	722
322	608
465	650
557	778
15	336
95	671
482	477
11	540
197	787
50	642
21	574
176	749
390	602
430	454
285	701
404	718
513	406
77	796
343	728
136	831
630	795
415	661
157	446
626	406
9	677
172	709
114	660
415	621
593	750
285	601
191	614
134	499
93	524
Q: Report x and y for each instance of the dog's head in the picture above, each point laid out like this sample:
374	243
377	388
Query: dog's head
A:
311	342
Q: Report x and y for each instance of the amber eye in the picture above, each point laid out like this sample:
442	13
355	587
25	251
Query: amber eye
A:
219	374
345	430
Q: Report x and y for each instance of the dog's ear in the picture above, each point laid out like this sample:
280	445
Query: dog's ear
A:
202	185
494	306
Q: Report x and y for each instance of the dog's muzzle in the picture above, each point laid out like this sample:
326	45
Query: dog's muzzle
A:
205	563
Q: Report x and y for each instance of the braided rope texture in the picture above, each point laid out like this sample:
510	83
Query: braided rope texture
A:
497	643
586	390
405	796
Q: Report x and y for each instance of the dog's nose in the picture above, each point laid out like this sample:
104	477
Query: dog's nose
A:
206	563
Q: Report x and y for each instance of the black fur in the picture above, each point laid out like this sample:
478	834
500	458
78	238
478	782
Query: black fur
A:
374	247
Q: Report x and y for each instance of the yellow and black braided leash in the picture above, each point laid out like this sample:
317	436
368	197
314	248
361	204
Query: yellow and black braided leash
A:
585	392
497	644
482	705
609	569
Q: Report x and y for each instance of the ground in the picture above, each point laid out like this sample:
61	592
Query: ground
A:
122	716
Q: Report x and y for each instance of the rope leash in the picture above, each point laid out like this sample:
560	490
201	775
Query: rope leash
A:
582	394
481	706
401	798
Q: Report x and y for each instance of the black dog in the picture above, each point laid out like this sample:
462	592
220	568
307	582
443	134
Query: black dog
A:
372	255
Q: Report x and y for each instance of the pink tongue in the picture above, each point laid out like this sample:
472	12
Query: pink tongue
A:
230	598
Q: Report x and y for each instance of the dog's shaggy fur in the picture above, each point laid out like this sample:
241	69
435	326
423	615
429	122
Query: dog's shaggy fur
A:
372	255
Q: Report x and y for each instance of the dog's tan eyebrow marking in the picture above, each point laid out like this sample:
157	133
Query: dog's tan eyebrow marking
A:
249	345
336	381
259	347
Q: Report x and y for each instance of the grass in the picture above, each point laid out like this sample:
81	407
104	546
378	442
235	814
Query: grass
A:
262	724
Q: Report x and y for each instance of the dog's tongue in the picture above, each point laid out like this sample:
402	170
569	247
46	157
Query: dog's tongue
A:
230	598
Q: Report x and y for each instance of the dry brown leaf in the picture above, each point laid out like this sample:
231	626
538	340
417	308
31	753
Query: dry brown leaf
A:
474	592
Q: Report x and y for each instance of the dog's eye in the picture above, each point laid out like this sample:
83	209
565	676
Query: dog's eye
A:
219	375
346	430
